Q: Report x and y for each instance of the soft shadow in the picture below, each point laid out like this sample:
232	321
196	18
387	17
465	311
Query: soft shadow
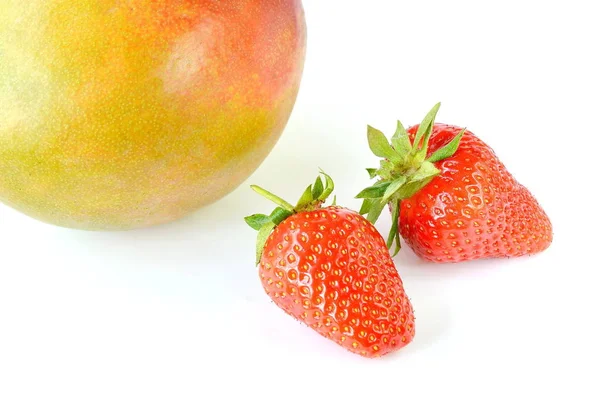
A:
432	319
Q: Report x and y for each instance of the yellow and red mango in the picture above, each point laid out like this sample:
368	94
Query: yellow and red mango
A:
120	114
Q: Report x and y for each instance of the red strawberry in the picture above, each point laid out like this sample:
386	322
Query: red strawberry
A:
330	268
451	198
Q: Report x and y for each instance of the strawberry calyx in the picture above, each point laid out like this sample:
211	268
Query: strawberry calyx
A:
404	170
313	198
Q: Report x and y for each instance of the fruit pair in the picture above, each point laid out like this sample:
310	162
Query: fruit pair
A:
451	199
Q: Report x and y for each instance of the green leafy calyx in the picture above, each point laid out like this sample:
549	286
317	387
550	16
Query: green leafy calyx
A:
403	171
313	198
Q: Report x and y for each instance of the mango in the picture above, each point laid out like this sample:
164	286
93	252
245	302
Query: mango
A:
125	114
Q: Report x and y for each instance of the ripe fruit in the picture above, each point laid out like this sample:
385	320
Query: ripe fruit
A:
451	198
330	268
125	114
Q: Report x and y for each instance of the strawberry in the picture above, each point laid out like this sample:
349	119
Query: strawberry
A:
329	268
451	198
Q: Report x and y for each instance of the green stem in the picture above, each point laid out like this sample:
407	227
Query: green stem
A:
404	170
275	199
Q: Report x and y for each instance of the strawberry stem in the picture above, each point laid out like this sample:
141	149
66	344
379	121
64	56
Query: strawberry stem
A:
313	198
274	198
404	170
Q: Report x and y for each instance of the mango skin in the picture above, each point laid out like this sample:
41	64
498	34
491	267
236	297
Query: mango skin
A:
117	115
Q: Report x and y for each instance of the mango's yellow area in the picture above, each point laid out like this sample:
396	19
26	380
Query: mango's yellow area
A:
123	114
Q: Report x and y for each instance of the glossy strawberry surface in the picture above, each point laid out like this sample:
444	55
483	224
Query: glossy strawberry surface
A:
474	208
330	269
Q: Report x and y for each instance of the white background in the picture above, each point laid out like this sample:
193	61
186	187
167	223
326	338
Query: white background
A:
177	308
